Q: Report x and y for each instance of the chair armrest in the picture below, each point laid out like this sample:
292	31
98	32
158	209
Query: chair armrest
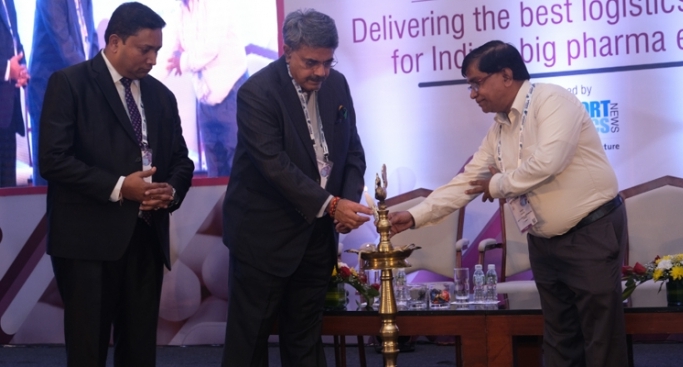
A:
489	244
462	244
485	245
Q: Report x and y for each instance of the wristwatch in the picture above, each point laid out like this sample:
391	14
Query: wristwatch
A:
174	199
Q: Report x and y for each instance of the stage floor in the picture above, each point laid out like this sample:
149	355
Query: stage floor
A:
426	354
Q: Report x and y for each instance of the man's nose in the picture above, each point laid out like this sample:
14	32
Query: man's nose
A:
153	58
320	69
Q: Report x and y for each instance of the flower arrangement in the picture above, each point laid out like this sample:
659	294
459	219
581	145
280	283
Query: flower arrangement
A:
358	281
665	268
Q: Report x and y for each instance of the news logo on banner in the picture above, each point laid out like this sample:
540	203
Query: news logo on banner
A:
605	115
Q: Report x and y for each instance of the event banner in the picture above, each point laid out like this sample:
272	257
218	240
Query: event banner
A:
403	58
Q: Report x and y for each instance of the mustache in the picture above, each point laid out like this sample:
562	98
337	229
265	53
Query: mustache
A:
316	78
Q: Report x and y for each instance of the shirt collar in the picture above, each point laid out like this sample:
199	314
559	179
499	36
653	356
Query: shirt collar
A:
115	76
516	108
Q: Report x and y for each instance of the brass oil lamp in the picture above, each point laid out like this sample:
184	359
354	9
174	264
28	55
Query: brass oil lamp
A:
386	258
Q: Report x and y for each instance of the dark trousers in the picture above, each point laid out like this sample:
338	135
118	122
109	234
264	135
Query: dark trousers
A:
218	128
578	275
257	299
8	158
125	293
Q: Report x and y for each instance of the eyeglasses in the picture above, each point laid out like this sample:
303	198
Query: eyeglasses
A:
313	64
474	86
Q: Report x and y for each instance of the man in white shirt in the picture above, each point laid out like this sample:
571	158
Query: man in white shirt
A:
210	47
545	157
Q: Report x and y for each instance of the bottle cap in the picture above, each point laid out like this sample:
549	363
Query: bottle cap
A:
492	266
477	267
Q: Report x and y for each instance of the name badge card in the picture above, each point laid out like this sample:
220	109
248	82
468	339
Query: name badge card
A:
147	161
325	168
523	213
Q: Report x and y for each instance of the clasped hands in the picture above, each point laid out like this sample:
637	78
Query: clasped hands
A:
150	195
17	71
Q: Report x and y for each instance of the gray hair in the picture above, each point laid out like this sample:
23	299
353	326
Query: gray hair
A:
309	28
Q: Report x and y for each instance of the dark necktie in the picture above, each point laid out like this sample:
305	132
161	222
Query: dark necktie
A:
136	121
133	111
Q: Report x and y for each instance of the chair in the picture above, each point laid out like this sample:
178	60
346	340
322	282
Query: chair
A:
441	244
654	228
515	265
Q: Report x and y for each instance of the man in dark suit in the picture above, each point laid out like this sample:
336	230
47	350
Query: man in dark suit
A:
64	34
13	76
112	151
297	174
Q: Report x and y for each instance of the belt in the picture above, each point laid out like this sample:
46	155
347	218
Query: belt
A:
600	212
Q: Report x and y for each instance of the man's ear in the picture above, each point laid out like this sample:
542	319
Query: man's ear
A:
288	52
115	41
507	74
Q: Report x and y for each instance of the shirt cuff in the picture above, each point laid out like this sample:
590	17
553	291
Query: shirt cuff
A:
421	215
6	77
321	212
494	186
116	193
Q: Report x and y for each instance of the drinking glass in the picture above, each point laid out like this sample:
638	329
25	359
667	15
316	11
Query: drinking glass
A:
417	296
461	280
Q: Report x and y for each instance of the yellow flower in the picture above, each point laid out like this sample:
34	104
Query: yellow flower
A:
334	272
657	274
677	272
678	258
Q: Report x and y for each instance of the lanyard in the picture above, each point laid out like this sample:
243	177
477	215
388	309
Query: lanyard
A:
144	143
302	98
521	129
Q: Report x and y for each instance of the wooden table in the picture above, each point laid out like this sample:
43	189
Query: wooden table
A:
469	325
487	335
503	325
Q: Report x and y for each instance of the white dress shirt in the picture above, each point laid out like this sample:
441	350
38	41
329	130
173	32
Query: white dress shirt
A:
563	168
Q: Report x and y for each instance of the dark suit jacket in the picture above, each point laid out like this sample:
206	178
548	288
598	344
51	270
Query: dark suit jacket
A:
274	193
86	143
57	43
10	102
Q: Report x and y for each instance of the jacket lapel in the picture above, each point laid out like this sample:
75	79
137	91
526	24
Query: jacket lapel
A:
328	115
103	79
4	18
296	112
